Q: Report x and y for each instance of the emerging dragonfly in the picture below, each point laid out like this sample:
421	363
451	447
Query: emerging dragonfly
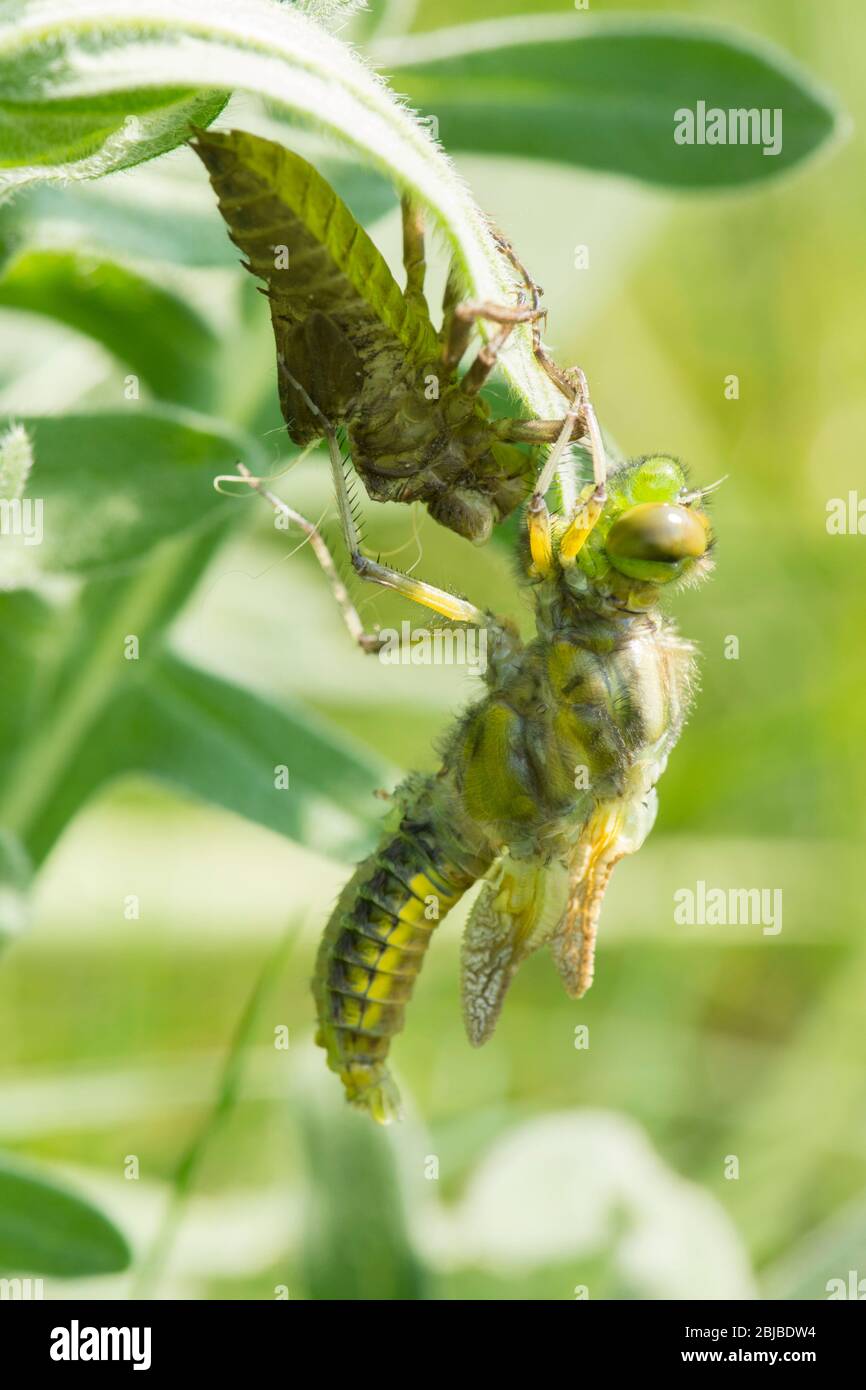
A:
546	782
549	780
356	352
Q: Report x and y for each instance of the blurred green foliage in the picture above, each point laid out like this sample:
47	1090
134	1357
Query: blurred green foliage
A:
705	1043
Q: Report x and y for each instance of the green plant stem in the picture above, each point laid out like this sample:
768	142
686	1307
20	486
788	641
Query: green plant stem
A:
227	1094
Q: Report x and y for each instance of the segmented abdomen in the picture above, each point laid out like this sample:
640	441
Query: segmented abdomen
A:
373	950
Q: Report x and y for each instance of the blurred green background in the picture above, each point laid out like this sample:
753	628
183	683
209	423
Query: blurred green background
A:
532	1168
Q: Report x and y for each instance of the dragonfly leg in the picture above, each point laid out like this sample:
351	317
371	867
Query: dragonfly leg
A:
469	312
451	298
367	641
485	360
413	250
534	290
460	318
563	380
439	600
560	433
592	499
540	542
532	431
573	385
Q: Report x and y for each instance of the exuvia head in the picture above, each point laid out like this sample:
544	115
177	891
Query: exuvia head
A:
653	532
472	509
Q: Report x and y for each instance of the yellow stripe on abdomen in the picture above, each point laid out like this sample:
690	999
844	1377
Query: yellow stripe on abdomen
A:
370	957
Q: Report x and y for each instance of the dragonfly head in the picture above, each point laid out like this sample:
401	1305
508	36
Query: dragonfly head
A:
658	528
654	532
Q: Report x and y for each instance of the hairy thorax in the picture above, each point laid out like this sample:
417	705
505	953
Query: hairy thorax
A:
576	720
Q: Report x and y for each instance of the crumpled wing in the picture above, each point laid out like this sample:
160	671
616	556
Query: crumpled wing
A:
321	359
517	910
615	830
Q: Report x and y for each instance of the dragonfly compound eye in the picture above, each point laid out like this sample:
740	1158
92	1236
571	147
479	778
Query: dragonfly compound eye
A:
656	533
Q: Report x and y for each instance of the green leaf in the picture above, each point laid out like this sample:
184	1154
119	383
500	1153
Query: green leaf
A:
26	628
158	336
152	217
354	1186
76	714
45	1229
79	136
225	1100
164	214
793	1161
603	94
29	632
63	667
368	195
111	486
829	1253
15	876
225	745
287	60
